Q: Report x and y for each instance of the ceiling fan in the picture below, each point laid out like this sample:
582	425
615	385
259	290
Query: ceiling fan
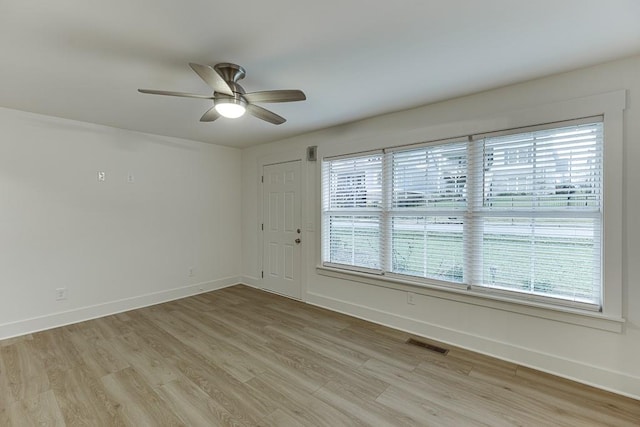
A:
229	98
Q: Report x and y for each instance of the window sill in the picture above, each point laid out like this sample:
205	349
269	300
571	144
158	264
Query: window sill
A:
560	314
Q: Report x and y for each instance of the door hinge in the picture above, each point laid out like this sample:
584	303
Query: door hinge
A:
262	274
262	226
262	178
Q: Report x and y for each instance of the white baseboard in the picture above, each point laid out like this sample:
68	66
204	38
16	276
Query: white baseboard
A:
254	282
595	376
54	320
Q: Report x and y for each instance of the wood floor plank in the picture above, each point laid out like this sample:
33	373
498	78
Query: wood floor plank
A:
364	346
155	337
570	409
38	410
259	355
4	415
605	402
226	391
228	357
56	349
243	357
500	398
289	368
370	412
146	361
448	391
235	363
197	337
246	295
24	371
322	346
279	418
239	322
103	359
194	406
309	314
331	325
82	399
10	341
265	316
299	404
390	348
138	404
6	395
330	369
425	410
106	327
195	303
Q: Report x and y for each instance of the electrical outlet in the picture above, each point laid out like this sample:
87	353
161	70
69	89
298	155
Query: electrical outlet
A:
102	176
61	294
411	298
191	272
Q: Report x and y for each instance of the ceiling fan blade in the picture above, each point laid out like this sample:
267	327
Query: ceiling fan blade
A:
276	96
212	78
265	115
210	115
182	94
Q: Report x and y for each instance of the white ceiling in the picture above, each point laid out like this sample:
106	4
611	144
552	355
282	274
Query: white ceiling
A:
85	59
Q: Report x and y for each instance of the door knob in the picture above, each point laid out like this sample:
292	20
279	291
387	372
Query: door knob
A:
298	241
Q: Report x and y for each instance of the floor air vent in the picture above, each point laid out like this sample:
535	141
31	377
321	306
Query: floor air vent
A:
429	347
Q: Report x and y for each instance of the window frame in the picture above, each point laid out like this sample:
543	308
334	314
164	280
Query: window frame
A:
609	105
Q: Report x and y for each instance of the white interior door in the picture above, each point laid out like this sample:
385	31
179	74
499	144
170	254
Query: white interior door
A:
282	218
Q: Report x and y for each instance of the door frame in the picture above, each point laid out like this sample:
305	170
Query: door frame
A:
306	219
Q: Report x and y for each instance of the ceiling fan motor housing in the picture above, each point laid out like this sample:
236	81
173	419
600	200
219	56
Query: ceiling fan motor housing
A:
230	72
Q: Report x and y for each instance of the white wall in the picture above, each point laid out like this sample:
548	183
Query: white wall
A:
594	356
114	245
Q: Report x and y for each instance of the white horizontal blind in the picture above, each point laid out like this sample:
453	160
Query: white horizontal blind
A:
538	216
517	212
352	211
428	203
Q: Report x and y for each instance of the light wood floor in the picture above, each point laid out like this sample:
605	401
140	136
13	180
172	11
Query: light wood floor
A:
242	357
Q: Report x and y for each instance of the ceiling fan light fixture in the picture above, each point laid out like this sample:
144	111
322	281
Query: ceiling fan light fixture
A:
230	108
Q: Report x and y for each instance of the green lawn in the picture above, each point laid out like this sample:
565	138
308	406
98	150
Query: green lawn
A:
509	261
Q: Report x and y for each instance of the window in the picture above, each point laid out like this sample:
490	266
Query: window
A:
428	204
516	213
353	211
537	216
